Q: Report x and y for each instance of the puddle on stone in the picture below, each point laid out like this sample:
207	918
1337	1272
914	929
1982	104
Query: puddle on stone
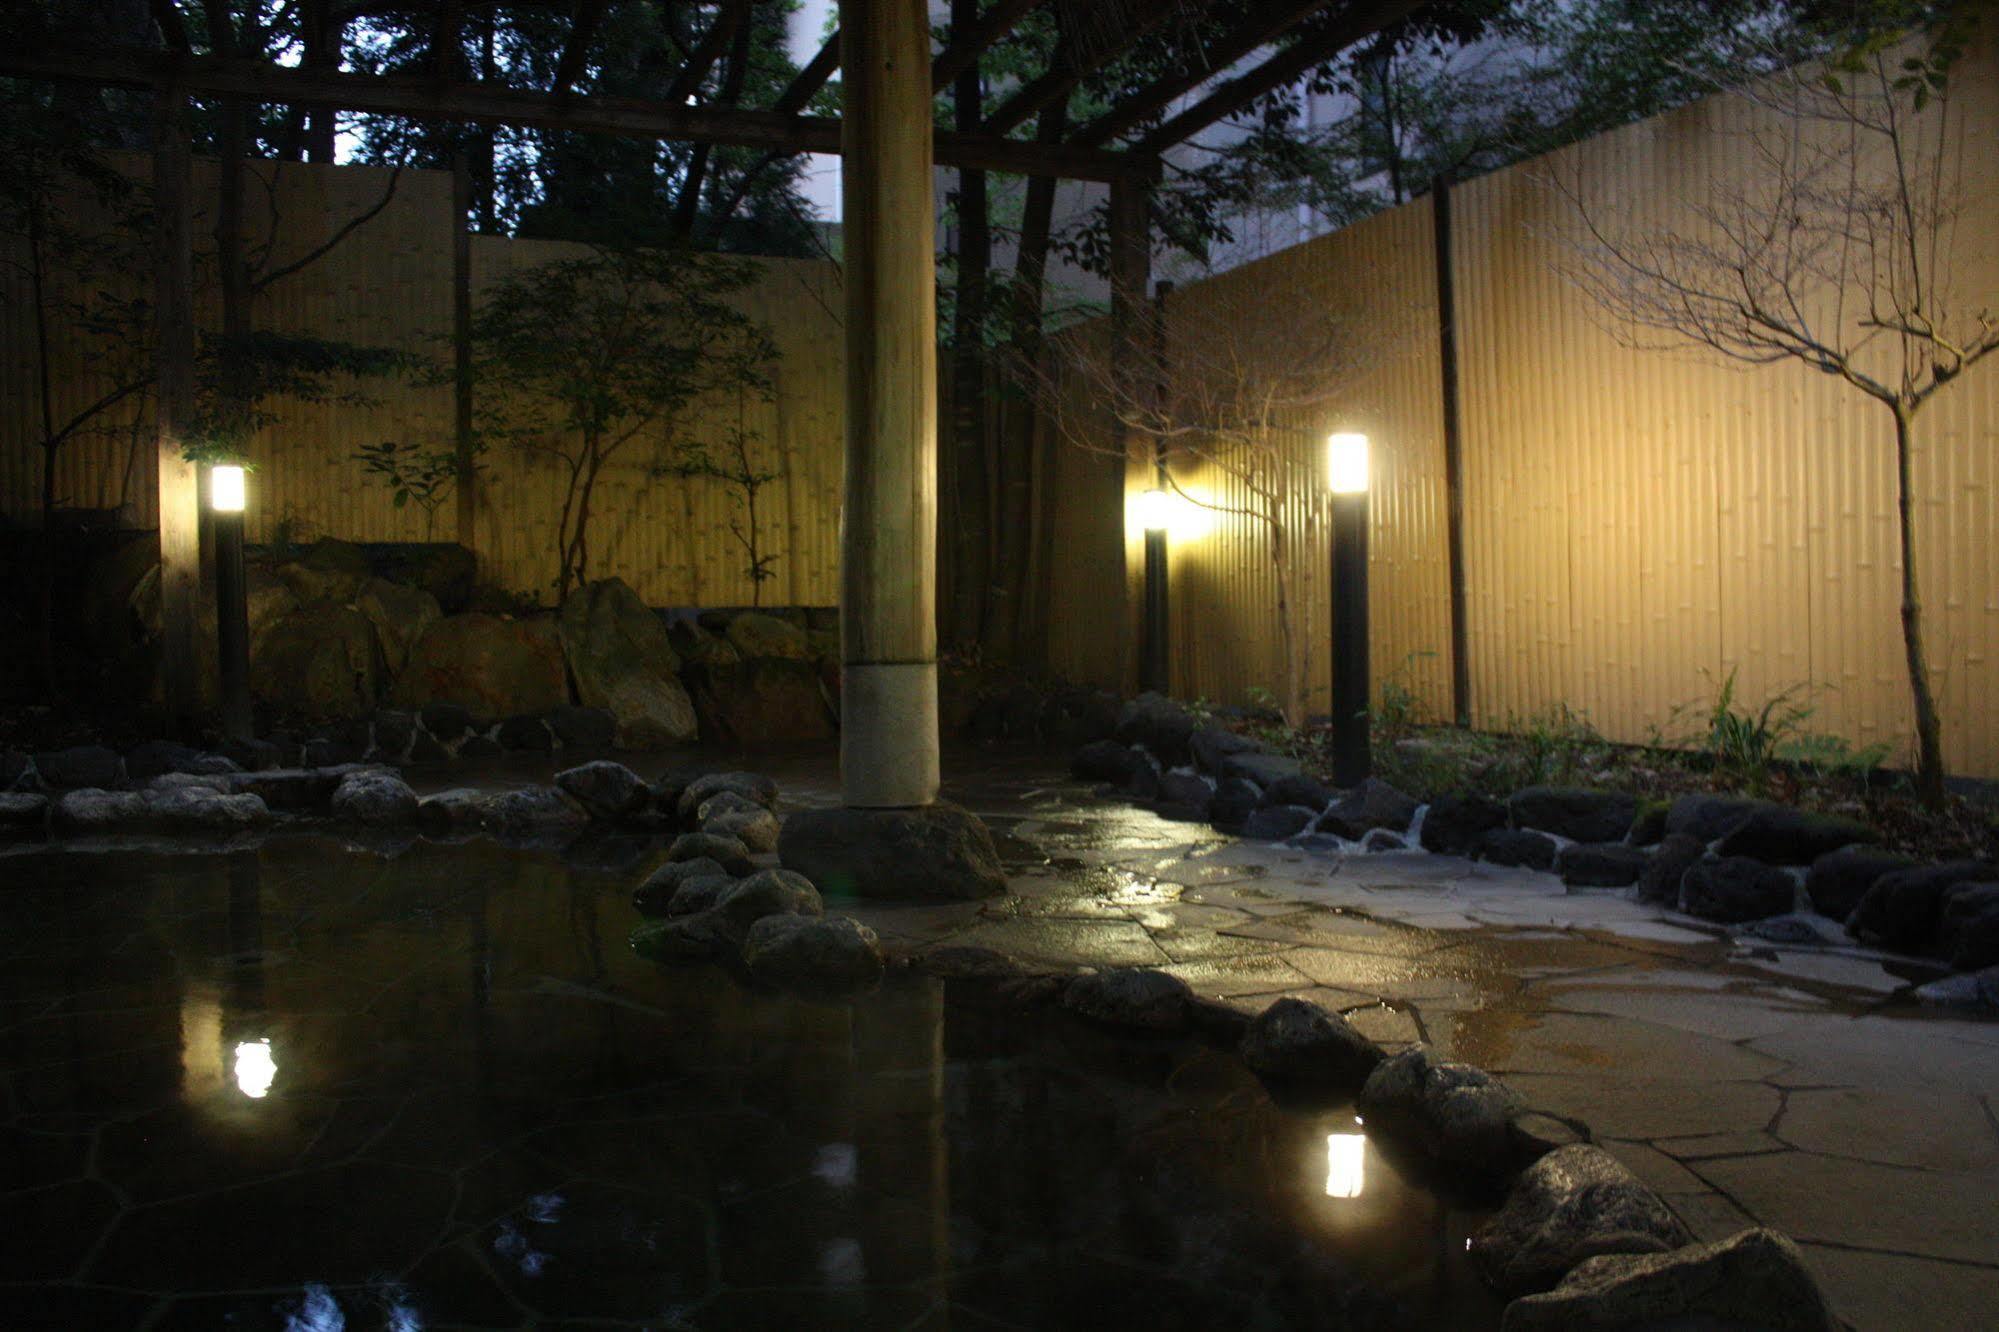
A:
299	1086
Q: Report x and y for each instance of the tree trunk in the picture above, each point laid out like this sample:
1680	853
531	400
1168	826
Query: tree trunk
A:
970	567
45	630
321	42
1929	731
1292	699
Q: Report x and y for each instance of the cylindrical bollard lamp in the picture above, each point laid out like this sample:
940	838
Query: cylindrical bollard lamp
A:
1154	513
226	492
1347	471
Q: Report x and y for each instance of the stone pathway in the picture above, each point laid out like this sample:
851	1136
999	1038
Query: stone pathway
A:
1792	1085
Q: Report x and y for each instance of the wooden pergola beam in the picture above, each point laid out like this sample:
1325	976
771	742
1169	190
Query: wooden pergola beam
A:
569	68
1359	22
810	79
1259	30
964	49
1043	91
425	99
715	41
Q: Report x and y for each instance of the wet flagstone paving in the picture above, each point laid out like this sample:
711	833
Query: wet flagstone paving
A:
478	1110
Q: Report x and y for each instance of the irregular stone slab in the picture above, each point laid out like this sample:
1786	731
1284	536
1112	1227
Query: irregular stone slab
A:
1573	812
1133	998
1455	824
657	895
490	666
80	767
1709	817
727	852
751	785
1518	847
756	829
1164	727
1600	864
1755	1279
400	616
293	790
532	812
1783	835
938	850
1372	804
608	791
1659	883
1296	1041
23	813
91	810
1274	824
1839	879
375	797
1969	931
1904	907
1455	1113
1572	1204
836	955
1103	761
772	892
1734	889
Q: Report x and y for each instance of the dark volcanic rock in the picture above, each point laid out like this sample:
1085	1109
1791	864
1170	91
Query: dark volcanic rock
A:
81	766
1455	1113
1754	1279
1734	889
728	852
1839	879
1276	823
1266	770
1234	801
156	757
1212	745
1709	817
1782	835
526	733
1571	1205
1600	864
1904	907
607	791
23	814
697	938
578	727
1188	794
661	890
446	722
1103	761
532	812
1373	804
1310	792
757	829
1583	816
292	790
1296	1041
1455	824
374	797
1968	932
771	892
1649	827
751	785
836	955
1660	883
1161	725
1135	998
938	850
1511	846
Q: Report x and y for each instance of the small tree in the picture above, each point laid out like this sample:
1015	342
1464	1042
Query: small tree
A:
1837	249
1248	395
733	464
584	359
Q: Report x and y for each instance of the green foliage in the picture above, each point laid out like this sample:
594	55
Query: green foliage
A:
1400	709
584	358
414	475
1749	744
1555	744
732	465
238	379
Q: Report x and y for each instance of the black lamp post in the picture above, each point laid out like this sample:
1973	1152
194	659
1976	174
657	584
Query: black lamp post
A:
1346	456
232	615
1153	508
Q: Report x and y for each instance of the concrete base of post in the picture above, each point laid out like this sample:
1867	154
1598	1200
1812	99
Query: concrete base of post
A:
888	735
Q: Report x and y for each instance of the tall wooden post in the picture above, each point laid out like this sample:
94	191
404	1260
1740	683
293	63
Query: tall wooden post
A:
1454	513
461	344
1131	270
179	487
888	540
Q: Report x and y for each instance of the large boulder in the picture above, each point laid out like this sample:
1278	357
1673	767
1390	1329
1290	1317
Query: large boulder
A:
23	814
697	647
1838	880
697	938
728	852
1211	746
1453	1112
322	662
1518	847
693	795
1968	930
1754	1279
1783	835
762	703
1133	998
80	766
1234	802
608	791
1734	889
1161	725
193	809
91	811
401	615
937	850
1572	1204
293	790
488	665
681	888
1373	804
1659	884
1272	823
836	955
1295	1041
374	796
1103	761
1710	817
756	829
1601	864
1454	824
1266	770
771	892
266	600
1186	796
623	662
1574	813
330	570
754	634
532	812
1904	908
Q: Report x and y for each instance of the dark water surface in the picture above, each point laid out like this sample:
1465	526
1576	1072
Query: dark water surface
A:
309	1088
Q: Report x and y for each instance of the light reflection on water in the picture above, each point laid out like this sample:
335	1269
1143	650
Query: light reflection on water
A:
256	1068
1346	1169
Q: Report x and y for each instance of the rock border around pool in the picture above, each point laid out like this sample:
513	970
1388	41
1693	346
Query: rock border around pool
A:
1772	870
